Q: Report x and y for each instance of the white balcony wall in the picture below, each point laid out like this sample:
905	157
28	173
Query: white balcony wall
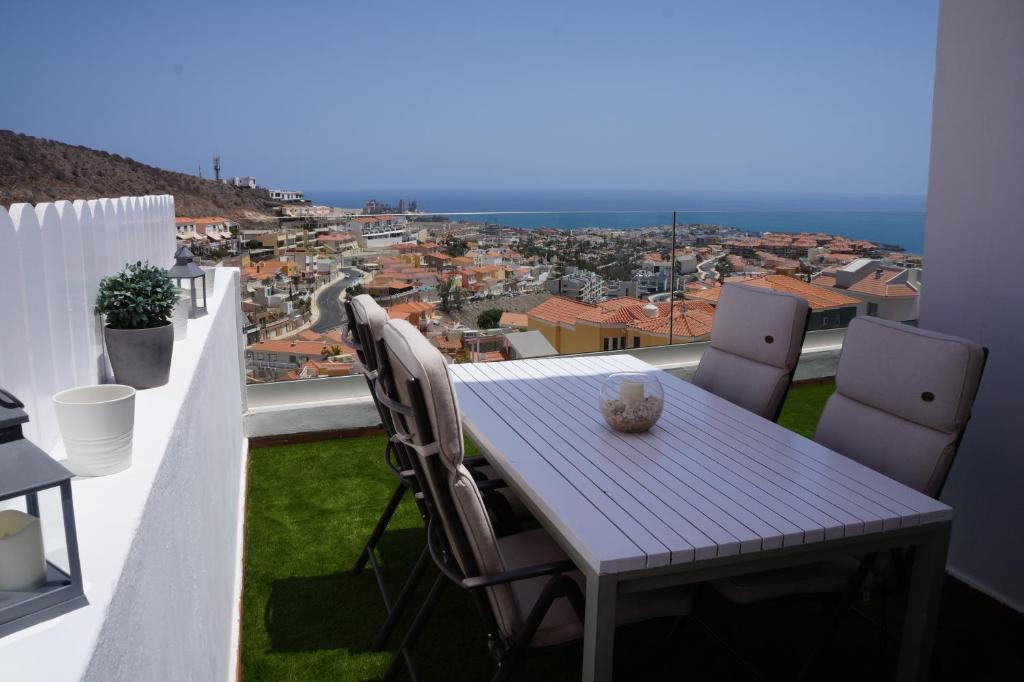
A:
52	257
973	235
161	542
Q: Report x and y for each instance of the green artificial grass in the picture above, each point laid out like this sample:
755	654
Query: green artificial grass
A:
803	407
307	617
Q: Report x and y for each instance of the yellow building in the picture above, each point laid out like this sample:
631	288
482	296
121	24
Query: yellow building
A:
574	327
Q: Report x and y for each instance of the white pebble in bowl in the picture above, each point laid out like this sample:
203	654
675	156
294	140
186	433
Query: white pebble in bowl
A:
632	417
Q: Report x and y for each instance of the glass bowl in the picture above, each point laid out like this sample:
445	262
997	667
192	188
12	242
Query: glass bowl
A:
631	402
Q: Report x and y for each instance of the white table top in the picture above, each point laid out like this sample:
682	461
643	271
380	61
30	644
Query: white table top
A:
709	480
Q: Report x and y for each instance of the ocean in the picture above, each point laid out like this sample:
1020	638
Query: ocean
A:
889	219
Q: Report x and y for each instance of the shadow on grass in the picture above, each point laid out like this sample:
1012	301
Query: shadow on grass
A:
339	610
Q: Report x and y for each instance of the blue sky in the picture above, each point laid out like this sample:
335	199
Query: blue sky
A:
796	96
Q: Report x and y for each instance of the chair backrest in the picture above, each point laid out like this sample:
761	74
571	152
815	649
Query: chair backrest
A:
755	345
369	320
410	365
903	397
350	333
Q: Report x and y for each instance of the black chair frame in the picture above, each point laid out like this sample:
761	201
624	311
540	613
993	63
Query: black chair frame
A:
443	517
399	460
902	560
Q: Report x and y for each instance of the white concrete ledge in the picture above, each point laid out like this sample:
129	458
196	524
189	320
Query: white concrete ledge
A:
159	542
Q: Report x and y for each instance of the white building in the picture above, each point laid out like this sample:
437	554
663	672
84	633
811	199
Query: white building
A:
377	231
243	181
891	292
207	233
285	195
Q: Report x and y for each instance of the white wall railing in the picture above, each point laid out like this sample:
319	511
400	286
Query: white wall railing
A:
52	258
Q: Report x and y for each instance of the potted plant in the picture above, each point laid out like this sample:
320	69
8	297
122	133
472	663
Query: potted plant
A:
138	303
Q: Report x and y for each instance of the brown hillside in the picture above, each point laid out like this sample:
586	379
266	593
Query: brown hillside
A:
33	170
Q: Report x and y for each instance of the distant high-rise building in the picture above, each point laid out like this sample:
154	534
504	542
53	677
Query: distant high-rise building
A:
413	207
401	205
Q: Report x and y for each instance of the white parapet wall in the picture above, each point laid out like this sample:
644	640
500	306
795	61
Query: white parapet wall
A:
160	542
52	258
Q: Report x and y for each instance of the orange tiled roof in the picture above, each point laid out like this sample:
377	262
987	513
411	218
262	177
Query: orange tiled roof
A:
818	298
871	285
704	292
387	283
514	320
630	313
690	319
329	369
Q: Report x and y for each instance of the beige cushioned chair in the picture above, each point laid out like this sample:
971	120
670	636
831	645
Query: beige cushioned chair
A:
903	398
755	345
371	317
517	574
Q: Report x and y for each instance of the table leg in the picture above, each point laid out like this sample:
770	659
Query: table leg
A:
926	579
599	628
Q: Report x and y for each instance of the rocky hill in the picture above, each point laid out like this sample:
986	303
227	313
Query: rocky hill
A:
33	170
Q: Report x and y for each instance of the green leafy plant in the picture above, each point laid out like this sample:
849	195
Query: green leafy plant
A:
139	297
489	319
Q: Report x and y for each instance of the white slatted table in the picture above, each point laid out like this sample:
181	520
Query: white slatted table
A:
711	491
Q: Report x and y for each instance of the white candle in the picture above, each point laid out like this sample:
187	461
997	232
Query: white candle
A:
22	562
631	392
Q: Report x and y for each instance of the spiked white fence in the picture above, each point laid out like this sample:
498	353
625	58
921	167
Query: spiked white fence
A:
52	258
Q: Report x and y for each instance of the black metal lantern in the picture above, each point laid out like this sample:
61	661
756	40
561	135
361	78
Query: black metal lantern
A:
32	588
184	270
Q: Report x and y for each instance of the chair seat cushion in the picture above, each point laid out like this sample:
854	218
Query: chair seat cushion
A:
754	386
561	624
820	578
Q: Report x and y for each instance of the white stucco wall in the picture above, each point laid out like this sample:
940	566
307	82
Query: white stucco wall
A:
160	542
975	221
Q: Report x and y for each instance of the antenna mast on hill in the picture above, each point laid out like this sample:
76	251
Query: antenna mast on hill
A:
216	167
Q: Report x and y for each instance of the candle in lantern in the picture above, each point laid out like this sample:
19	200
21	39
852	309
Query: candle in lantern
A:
22	562
631	392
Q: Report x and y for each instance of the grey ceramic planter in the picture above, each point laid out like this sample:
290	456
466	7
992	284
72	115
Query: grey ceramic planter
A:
141	358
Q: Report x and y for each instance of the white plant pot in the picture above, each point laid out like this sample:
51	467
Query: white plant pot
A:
96	424
179	319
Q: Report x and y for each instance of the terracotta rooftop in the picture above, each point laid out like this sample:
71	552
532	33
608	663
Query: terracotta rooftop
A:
871	285
818	298
691	318
521	320
328	369
704	292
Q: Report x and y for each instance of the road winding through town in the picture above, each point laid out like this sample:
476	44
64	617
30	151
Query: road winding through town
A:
328	301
